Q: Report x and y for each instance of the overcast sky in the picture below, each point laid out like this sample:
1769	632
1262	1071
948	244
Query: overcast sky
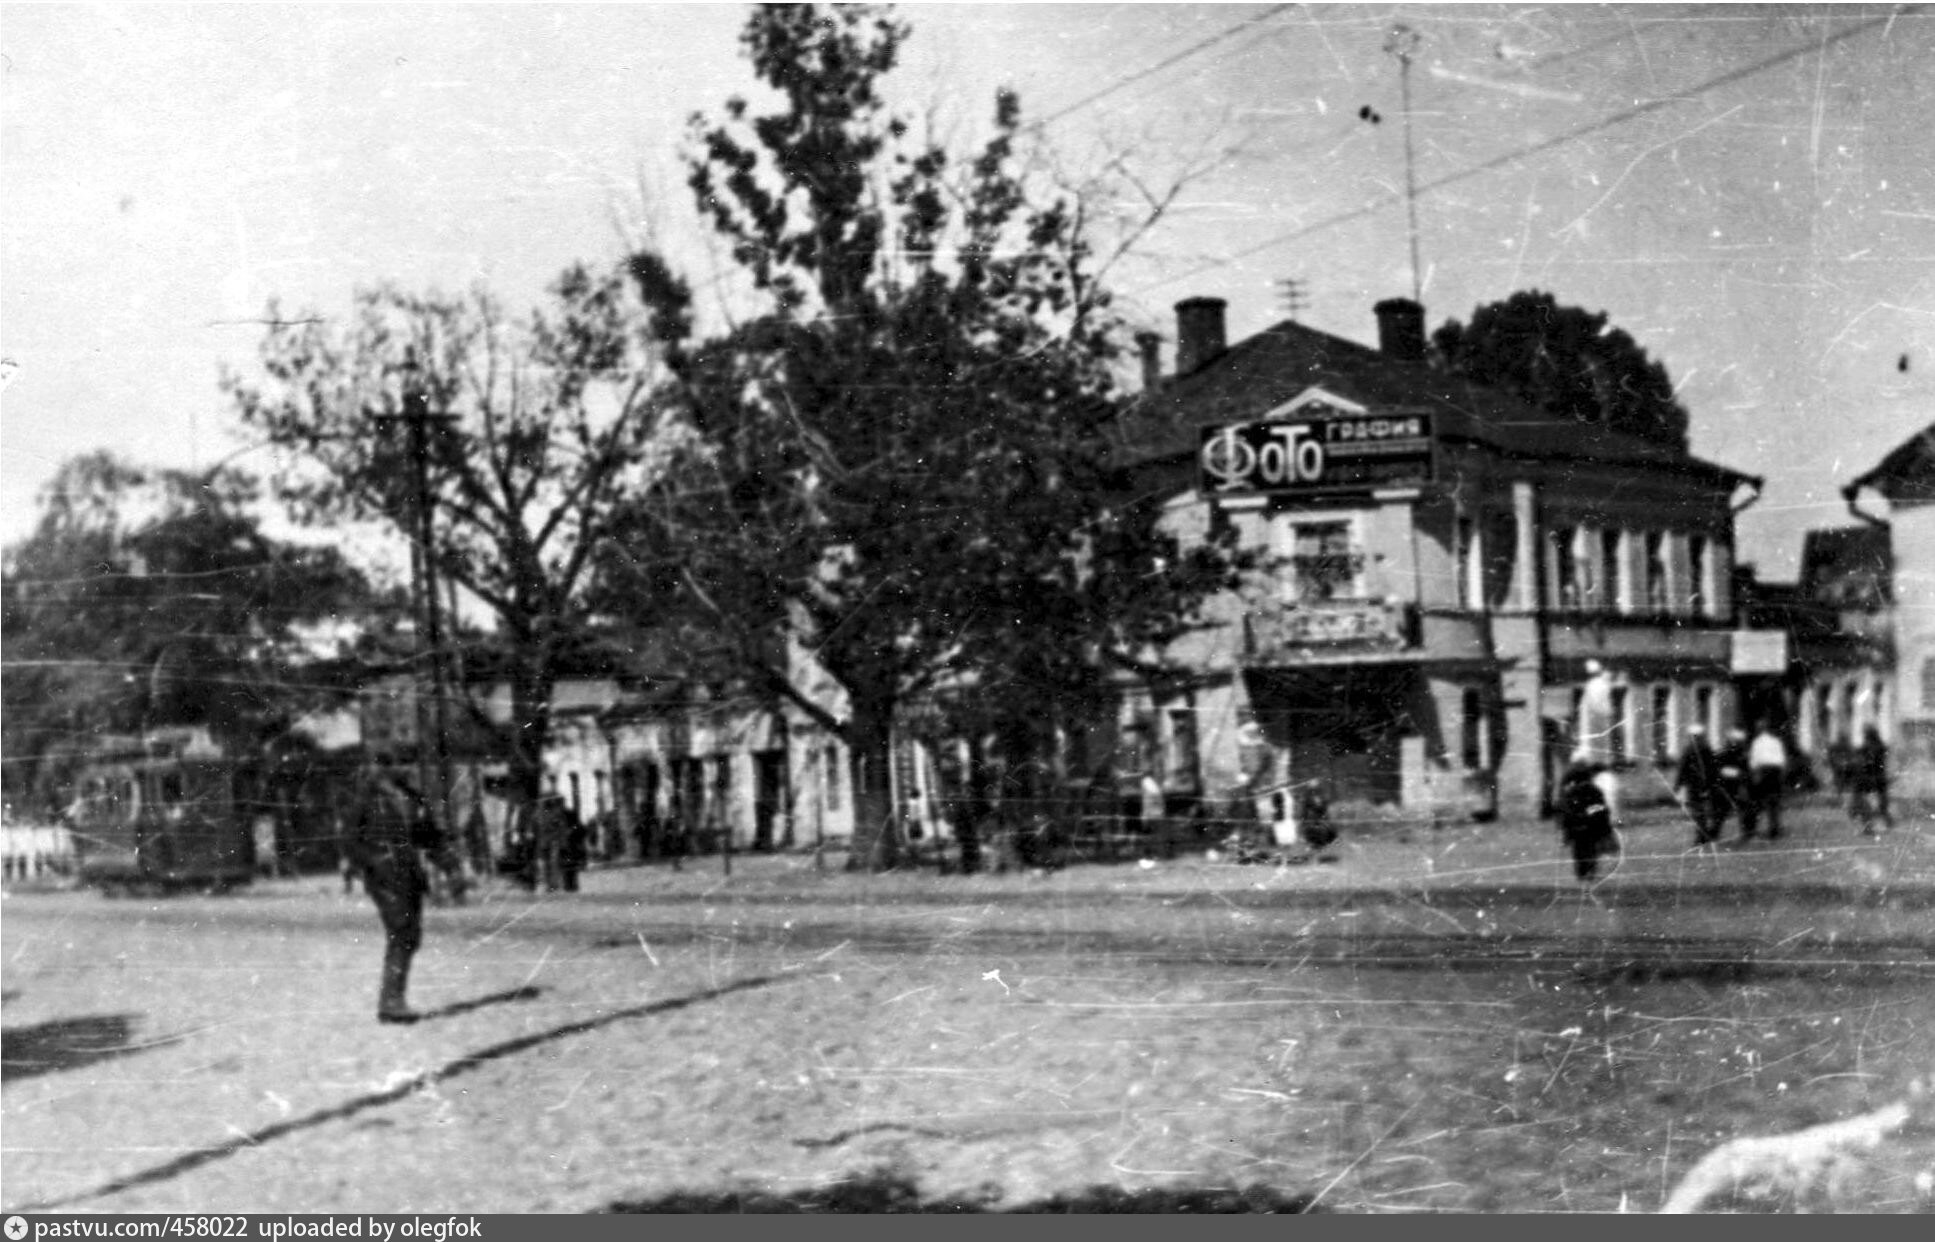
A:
1748	190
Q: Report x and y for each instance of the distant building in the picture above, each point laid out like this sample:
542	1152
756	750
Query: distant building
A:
1449	567
1838	623
1905	481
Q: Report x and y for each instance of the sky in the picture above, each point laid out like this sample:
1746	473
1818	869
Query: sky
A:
1748	190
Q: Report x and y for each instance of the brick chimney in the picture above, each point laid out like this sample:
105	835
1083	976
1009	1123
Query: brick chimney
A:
1400	329
1149	346
1199	332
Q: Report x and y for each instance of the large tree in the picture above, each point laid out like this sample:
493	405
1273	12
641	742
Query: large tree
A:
531	428
1568	361
153	597
909	476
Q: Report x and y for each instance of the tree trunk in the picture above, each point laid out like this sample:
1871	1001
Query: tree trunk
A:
876	829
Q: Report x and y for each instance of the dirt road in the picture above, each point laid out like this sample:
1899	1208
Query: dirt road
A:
1440	1021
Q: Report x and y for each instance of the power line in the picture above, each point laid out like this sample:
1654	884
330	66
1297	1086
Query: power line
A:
1159	66
1537	148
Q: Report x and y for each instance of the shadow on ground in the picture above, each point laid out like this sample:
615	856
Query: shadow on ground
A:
69	1043
886	1191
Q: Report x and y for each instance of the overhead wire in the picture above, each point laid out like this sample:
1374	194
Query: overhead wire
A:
1526	152
1166	62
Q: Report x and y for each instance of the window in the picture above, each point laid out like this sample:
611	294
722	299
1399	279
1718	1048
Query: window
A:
1657	602
1180	759
1564	572
1585	567
1326	563
830	770
1468	566
1662	723
1473	747
1703	708
1699	593
1614	581
1616	742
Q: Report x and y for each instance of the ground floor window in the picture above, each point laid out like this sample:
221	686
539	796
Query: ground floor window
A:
1472	740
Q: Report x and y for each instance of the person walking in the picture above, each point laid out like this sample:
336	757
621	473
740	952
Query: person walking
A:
1585	817
1698	780
1868	782
1767	777
390	825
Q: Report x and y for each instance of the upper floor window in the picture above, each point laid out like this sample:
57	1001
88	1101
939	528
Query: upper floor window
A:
1657	600
1327	564
1614	582
1468	558
1699	567
1565	573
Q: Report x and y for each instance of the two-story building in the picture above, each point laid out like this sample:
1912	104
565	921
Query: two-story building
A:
1448	568
1904	704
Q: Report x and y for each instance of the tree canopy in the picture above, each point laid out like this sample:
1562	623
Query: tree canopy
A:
532	429
1567	361
153	597
907	468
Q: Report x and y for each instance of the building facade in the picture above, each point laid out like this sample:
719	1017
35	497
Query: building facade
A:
1451	577
1897	496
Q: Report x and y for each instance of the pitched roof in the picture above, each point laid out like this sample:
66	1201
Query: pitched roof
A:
1906	474
1280	362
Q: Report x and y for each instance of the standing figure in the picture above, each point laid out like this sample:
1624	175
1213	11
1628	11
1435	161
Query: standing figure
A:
1698	778
1767	777
1868	781
574	848
1733	785
390	825
1585	817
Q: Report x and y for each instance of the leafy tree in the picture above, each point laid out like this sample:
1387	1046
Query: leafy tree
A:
909	475
1565	360
533	428
153	597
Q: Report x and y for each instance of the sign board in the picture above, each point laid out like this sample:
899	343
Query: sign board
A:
1760	652
1321	450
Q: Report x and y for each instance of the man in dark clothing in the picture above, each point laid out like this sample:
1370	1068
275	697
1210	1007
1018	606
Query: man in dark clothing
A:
1868	781
574	850
1698	778
390	826
1585	818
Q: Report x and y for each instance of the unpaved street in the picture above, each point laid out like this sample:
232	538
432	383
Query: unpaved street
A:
1438	1022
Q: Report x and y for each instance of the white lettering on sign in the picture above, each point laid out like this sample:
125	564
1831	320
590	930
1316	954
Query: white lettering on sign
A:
1376	429
1289	458
1321	455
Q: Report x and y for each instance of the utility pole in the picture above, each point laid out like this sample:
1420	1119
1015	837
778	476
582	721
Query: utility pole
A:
433	754
1402	43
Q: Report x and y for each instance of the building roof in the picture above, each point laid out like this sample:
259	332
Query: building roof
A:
1905	475
1275	365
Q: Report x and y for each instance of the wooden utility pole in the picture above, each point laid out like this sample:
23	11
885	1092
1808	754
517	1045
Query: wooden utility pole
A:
433	753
